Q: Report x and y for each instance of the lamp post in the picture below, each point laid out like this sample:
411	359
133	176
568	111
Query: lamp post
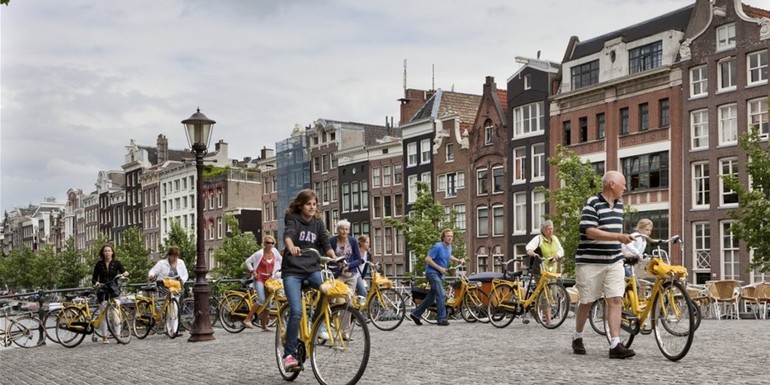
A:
198	129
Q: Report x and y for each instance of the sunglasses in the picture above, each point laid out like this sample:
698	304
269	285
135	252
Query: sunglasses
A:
269	243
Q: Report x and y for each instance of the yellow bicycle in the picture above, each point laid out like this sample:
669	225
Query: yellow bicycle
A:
516	293
76	320
161	316
332	332
236	304
462	296
384	305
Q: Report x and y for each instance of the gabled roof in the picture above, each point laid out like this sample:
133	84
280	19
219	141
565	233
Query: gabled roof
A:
444	102
676	20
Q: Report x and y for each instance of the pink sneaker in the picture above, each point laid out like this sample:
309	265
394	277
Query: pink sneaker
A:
290	363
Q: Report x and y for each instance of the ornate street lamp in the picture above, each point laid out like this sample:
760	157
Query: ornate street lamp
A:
198	128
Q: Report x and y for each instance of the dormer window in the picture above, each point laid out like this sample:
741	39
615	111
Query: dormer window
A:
726	37
645	57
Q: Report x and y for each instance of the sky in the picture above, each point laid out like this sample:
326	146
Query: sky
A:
80	79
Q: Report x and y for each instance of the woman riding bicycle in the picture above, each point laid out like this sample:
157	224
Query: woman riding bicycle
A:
105	271
171	267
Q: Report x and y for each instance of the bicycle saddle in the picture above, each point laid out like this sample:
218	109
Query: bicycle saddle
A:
633	260
513	274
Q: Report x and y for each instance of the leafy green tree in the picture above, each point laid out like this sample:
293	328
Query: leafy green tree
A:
236	247
752	216
422	228
134	255
578	181
185	241
44	273
72	266
18	269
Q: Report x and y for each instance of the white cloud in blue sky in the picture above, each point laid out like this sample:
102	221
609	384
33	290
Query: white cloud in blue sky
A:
80	79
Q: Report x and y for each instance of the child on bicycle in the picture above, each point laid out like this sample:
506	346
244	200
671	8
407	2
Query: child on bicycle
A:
303	229
637	247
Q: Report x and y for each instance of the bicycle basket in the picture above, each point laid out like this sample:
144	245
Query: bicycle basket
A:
335	288
382	282
172	285
273	284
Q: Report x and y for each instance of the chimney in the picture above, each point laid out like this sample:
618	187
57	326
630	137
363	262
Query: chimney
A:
221	146
162	144
411	103
265	153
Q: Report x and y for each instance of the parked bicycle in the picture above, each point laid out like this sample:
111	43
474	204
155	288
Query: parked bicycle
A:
383	305
23	330
162	316
76	320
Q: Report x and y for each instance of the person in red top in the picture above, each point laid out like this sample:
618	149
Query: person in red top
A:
262	265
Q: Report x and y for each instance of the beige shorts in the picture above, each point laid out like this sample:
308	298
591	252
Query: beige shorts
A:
593	280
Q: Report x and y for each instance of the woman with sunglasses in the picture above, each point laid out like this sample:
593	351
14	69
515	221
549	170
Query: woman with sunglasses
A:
263	264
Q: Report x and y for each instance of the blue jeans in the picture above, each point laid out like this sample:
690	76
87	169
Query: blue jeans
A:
436	295
360	287
292	287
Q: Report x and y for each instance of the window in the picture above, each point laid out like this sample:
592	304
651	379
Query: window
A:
699	81
442	184
725	37
398	174
425	177
411	154
699	127
386	176
399	248
460	220
376	177
325	163
325	192
728	124
702	250
644	117
728	166
645	57
520	213
700	185
648	171
497	180
730	253
345	197
624	117
601	126
482	184
355	197
566	129
498	220
364	195
387	206
425	151
398	199
584	75
758	116
519	164
377	241
482	222
333	182
389	240
583	126
538	161
528	119
727	75
316	164
665	117
538	210
527	81
757	67
219	228
489	134
412	180
450	152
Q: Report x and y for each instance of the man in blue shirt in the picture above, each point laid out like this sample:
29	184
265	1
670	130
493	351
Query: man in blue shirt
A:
436	264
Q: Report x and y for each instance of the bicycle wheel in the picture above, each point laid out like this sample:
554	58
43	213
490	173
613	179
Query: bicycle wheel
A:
26	331
280	341
230	305
213	310
118	324
552	306
341	359
71	326
142	321
626	326
673	321
49	322
386	309
171	318
596	317
475	306
501	305
187	313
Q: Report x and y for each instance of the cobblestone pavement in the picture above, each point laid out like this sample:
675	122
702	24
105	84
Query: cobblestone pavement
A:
733	351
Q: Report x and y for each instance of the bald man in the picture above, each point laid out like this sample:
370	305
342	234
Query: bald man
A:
599	261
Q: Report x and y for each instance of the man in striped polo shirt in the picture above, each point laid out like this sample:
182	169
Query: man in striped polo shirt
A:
599	262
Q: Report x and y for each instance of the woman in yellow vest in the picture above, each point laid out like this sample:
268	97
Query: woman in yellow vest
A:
546	245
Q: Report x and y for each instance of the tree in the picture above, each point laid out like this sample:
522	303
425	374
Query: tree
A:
236	247
578	181
44	275
422	227
753	213
188	246
71	265
134	255
18	272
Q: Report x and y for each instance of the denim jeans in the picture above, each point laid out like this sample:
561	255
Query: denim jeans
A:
292	287
436	295
259	286
361	287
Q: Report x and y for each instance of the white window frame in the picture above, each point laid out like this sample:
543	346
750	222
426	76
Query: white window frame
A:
489	134
700	185
482	188
732	165
425	151
412	180
538	162
728	124
450	152
730	257
387	176
758	116
498	220
461	216
756	67
527	120
482	229
699	81
699	129
376	181
701	246
728	83
519	165
519	213
538	210
725	38
498	173
411	154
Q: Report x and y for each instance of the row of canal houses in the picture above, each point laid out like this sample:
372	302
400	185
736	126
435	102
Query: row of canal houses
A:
662	101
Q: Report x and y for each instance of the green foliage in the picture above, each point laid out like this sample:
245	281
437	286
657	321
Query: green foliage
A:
211	170
133	255
753	213
578	181
234	251
18	270
422	228
44	273
4	2
185	241
72	267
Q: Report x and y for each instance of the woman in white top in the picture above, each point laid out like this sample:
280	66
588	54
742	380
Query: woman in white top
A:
172	266
263	264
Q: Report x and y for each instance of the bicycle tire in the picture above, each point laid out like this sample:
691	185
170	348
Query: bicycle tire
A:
386	309
343	358
187	313
71	326
118	324
596	317
626	337
171	318
26	331
142	321
475	305
228	306
280	341
500	315
49	322
555	299
673	321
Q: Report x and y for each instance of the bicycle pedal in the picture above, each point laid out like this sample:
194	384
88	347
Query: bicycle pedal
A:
645	331
629	315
